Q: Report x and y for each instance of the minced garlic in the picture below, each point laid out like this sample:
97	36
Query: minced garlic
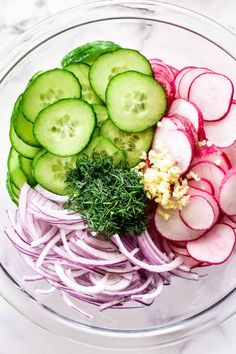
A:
162	180
192	175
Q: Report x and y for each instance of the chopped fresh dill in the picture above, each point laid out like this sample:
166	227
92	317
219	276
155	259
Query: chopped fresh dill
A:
111	199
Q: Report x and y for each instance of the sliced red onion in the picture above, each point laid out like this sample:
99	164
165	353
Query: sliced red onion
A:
150	267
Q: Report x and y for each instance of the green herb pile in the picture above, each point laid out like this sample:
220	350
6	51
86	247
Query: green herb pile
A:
111	199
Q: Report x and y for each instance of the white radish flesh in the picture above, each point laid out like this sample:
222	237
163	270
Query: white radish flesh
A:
209	197
211	172
174	228
189	111
184	124
188	78
212	93
179	77
227	195
230	152
198	214
215	246
179	145
222	133
203	184
213	154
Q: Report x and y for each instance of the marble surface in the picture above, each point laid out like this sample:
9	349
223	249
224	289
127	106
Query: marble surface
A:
17	334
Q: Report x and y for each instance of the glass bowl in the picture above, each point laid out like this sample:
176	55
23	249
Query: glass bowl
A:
179	37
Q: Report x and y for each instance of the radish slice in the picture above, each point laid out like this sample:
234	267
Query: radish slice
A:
215	246
209	197
211	172
213	94
227	220
178	143
175	229
188	78
184	124
162	69
198	214
180	250
213	154
203	184
232	218
230	152
188	261
179	77
189	111
227	196
223	132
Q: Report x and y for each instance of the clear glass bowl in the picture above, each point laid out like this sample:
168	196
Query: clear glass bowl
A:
179	37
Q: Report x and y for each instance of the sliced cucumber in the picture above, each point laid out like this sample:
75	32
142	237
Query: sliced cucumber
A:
16	174
26	166
10	186
104	146
50	171
15	190
132	143
110	64
34	77
101	114
22	148
24	129
48	88
88	52
135	101
65	127
81	71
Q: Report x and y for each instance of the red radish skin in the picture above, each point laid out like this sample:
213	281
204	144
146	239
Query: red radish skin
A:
188	261
162	69
213	154
213	94
222	133
230	152
227	220
189	111
184	124
210	198
211	172
227	196
215	246
168	86
179	144
181	250
179	77
232	218
198	214
181	244
175	229
203	184
188	78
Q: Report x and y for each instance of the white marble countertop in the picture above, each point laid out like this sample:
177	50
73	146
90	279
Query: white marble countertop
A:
17	334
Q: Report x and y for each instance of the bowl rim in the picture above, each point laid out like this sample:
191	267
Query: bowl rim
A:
9	58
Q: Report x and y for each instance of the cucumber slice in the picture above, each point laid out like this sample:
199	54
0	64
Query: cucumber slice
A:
110	64
88	52
104	146
46	89
65	127
50	171
34	77
10	186
24	129
22	148
132	143
16	174
15	190
81	71
101	114
26	166
135	101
